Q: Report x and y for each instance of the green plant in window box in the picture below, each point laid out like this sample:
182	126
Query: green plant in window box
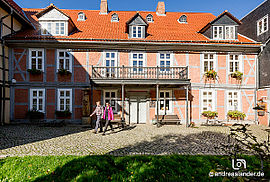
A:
34	71
35	114
210	75
236	115
210	114
65	113
237	75
64	72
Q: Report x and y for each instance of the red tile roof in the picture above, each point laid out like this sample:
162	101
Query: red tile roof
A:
15	6
100	27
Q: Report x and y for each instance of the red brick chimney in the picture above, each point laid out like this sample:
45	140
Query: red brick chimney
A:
160	8
103	7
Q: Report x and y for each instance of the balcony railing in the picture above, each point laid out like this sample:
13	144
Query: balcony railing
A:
176	73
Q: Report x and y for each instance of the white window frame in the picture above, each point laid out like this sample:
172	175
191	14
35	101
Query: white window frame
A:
208	60
65	59
37	97
181	18
53	32
165	59
132	59
170	111
45	28
115	18
81	16
36	57
239	106
112	72
137	32
115	99
149	18
234	61
217	37
59	97
214	99
262	20
233	35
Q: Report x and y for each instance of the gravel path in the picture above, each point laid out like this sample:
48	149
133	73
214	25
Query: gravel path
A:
22	140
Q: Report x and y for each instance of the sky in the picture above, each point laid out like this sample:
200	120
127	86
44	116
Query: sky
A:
239	8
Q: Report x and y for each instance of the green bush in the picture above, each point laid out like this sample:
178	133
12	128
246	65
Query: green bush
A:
237	75
236	115
65	113
34	71
64	72
210	75
210	114
34	114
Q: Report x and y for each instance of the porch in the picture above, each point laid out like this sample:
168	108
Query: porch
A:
132	90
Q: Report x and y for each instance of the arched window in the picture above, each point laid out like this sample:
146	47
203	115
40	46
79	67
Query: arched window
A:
81	16
149	18
183	19
115	17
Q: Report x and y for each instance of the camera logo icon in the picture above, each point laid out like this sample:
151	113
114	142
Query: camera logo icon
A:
238	164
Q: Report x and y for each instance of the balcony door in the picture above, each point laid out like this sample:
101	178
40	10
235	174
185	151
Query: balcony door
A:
137	63
110	62
165	102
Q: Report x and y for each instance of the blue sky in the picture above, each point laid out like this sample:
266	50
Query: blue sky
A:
238	8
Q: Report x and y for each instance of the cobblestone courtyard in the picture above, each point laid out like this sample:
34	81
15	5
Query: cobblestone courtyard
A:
24	140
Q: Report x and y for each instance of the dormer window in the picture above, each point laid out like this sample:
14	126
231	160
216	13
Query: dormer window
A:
149	18
137	31
183	19
53	28
224	32
115	18
81	16
46	28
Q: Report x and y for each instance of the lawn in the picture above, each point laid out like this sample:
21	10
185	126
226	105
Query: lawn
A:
128	168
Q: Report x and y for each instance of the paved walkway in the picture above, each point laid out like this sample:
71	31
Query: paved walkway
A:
24	140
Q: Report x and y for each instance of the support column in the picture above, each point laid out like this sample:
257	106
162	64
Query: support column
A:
123	100
187	106
157	102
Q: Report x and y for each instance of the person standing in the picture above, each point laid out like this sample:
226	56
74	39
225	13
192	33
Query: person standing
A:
98	111
108	116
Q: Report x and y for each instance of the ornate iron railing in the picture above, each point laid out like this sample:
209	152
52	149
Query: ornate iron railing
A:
123	72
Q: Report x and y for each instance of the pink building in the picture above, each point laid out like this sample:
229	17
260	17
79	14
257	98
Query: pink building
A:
146	64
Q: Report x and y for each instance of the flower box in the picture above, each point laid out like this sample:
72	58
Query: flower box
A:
210	75
63	114
237	75
210	114
35	115
236	115
34	71
64	72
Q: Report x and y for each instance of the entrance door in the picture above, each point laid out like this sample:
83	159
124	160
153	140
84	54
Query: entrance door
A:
165	102
138	110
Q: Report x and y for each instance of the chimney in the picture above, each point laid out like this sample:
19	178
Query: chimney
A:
160	8
103	7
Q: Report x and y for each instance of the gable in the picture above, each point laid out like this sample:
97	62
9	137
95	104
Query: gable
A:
138	21
54	14
225	20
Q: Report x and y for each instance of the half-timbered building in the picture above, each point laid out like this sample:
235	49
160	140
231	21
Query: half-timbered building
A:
146	64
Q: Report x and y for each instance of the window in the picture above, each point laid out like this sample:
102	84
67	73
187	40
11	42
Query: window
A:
234	63
208	99
183	19
233	102
64	60
46	28
37	100
64	100
53	28
110	61
137	60
111	97
81	16
165	61
149	18
115	18
36	58
137	32
262	25
208	62
217	32
229	32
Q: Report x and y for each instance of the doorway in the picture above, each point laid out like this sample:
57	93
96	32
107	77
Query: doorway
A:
138	109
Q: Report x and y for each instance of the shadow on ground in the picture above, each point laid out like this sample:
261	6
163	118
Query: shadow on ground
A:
15	135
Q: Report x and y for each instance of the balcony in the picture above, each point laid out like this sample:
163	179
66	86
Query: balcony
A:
139	74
